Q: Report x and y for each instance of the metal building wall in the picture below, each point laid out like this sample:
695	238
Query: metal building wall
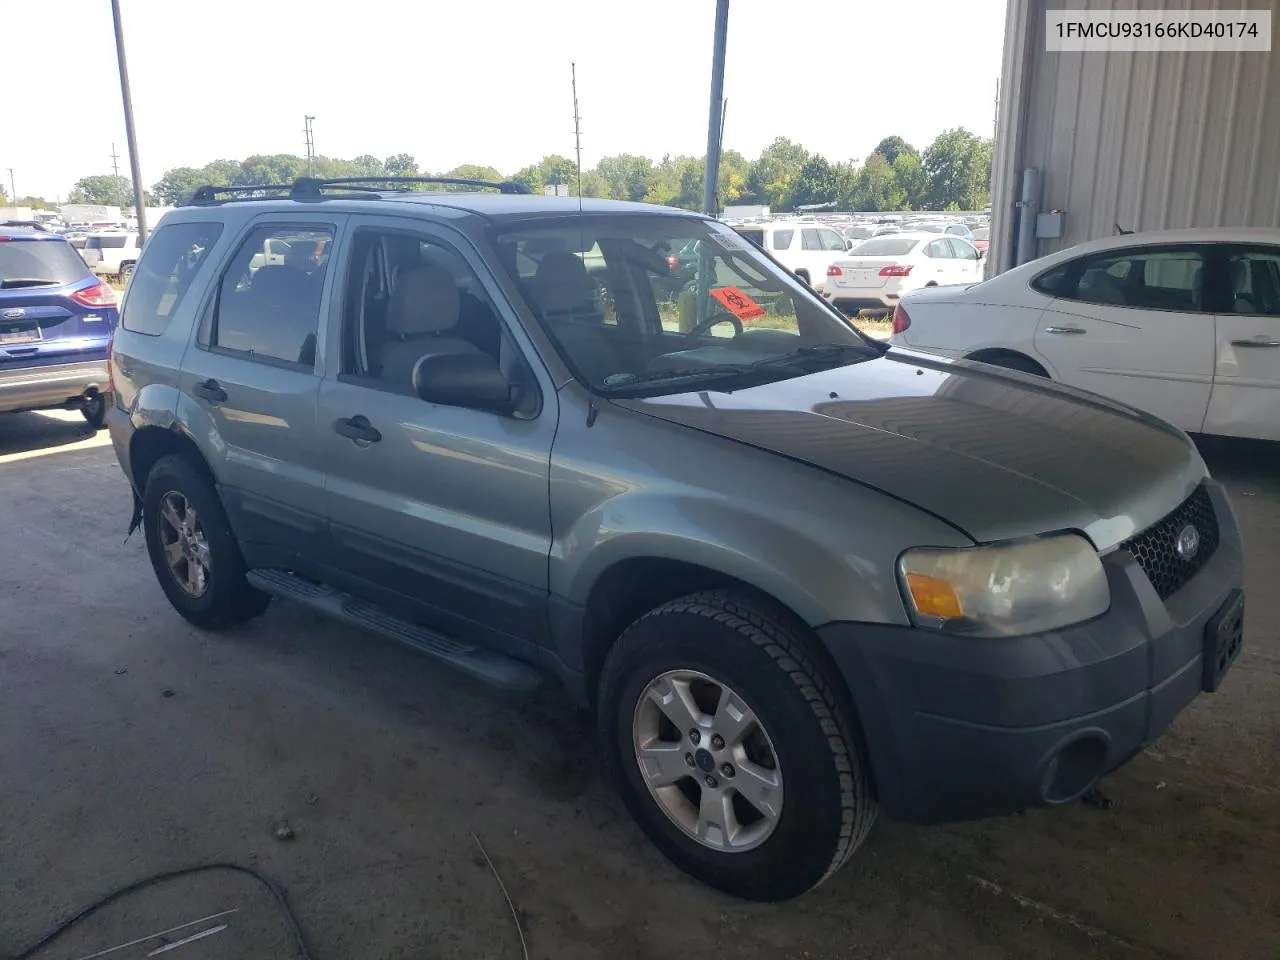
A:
1148	140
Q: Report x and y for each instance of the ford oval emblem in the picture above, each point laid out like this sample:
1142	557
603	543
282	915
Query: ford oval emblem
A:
1188	543
15	314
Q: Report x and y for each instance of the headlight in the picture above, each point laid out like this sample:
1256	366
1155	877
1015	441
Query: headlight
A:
1005	589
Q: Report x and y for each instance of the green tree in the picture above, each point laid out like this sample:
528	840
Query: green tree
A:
473	171
892	147
731	182
958	164
776	169
368	166
400	165
274	168
106	189
4	194
876	188
625	176
178	184
35	203
910	178
593	184
815	183
551	169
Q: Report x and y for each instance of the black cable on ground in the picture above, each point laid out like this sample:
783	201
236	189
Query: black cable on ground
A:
294	927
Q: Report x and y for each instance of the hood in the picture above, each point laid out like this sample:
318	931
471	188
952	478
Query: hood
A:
996	453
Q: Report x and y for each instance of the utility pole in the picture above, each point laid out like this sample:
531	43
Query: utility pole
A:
995	121
115	161
309	132
577	131
709	205
135	167
13	191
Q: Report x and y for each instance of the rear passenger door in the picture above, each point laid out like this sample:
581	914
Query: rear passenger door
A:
1133	324
249	385
440	512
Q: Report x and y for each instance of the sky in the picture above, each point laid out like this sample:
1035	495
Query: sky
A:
489	83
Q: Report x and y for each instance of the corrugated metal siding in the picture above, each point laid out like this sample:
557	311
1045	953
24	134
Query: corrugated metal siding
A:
1147	140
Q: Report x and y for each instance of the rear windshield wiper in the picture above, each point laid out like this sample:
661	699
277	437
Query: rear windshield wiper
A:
13	283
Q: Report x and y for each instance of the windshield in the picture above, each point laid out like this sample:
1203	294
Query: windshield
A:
628	315
49	261
884	247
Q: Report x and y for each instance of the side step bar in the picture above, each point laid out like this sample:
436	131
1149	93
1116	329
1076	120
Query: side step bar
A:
479	662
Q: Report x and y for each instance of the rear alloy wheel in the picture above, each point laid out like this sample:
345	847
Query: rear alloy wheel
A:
731	746
193	551
126	274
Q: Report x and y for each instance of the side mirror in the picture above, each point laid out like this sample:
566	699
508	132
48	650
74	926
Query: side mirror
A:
463	380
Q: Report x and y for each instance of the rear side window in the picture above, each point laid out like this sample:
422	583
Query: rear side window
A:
811	240
883	247
939	249
782	239
831	240
268	303
1146	278
38	263
755	236
105	243
164	274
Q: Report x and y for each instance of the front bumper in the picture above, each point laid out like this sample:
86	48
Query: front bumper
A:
54	385
959	728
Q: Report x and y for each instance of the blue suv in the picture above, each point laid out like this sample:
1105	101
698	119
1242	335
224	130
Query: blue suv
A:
56	323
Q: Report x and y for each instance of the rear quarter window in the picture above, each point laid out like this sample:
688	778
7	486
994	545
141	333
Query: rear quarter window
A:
164	274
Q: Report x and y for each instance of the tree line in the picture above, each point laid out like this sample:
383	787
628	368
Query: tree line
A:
952	173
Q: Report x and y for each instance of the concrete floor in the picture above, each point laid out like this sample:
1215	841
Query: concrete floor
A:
384	764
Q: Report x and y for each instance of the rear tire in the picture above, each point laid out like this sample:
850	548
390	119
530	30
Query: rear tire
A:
193	551
126	274
94	410
817	806
804	276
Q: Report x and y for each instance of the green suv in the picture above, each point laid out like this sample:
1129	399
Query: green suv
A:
797	575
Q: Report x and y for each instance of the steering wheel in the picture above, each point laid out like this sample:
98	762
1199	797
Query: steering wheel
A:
712	321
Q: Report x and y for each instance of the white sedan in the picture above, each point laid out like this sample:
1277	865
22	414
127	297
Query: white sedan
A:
1183	324
876	273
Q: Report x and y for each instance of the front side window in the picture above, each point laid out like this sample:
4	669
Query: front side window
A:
962	250
811	239
164	274
271	310
410	296
1253	278
1151	279
634	318
939	249
782	239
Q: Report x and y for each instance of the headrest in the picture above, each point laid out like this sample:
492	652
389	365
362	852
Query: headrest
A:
425	300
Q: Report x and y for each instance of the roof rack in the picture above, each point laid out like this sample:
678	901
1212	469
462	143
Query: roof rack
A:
313	188
310	187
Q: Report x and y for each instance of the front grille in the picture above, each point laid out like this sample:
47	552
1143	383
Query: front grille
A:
1156	548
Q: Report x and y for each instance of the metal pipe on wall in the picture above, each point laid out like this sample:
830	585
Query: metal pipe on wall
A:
1028	210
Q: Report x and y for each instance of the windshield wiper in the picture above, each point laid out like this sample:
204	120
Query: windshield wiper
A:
13	283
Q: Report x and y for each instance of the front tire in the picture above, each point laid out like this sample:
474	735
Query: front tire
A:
193	551
94	410
731	747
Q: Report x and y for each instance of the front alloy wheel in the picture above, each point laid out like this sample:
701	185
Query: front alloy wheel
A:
708	762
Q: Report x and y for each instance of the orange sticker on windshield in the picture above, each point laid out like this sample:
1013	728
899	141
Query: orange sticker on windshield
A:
738	303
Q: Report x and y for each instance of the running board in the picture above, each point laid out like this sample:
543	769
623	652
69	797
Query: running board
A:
476	661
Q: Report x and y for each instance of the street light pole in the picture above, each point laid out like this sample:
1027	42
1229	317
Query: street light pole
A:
709	205
139	195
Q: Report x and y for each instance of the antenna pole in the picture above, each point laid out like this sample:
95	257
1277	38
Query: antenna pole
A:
577	130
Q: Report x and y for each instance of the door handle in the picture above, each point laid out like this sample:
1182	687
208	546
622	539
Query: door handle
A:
211	391
357	428
1056	329
1259	342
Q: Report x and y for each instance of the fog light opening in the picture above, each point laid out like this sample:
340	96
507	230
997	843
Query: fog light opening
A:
1073	769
